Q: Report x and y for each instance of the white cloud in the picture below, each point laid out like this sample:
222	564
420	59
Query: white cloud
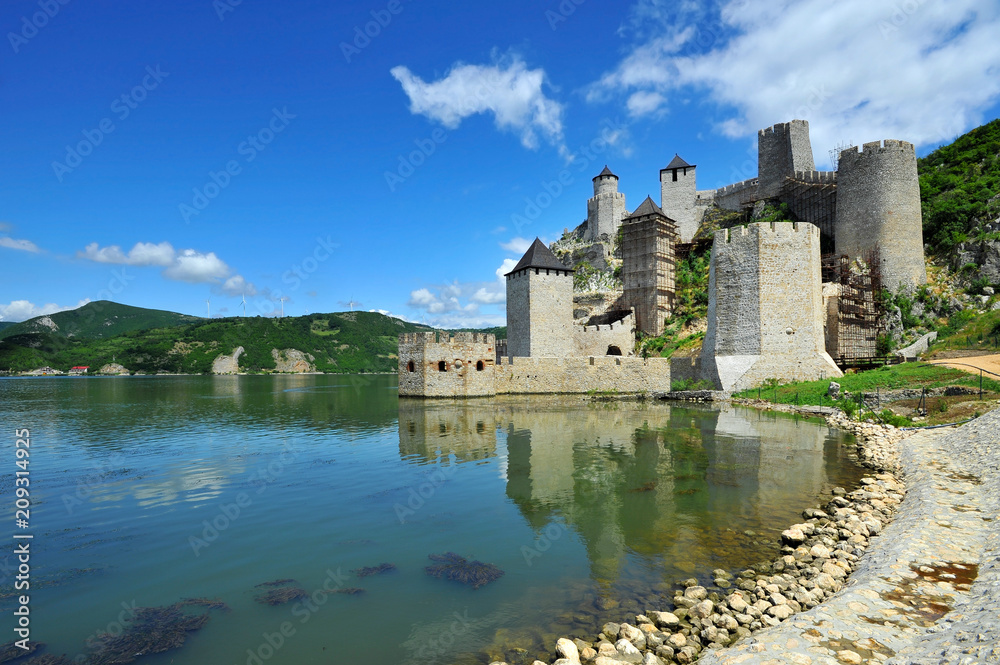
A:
487	297
507	89
517	245
22	310
194	267
185	265
857	70
505	267
142	254
237	285
21	245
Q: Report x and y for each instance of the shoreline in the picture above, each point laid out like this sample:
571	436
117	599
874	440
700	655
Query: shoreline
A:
892	595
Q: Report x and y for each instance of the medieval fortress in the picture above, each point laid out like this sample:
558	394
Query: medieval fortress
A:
770	314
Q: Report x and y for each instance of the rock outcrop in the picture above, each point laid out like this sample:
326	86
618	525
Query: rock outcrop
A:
292	361
228	364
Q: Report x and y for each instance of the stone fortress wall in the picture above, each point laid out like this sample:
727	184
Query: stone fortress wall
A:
766	315
446	366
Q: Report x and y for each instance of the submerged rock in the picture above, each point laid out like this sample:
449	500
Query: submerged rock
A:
456	568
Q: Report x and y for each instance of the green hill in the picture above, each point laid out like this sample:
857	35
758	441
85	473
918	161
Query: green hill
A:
97	320
347	342
960	188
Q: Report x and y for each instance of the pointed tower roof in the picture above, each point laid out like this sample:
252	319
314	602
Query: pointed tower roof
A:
677	163
606	172
647	208
539	256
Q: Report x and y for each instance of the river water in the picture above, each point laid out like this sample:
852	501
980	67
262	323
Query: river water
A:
147	491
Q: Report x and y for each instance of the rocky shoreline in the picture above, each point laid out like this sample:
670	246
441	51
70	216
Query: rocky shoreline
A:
818	555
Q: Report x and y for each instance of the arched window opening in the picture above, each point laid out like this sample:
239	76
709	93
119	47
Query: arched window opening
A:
442	366
480	366
614	351
410	367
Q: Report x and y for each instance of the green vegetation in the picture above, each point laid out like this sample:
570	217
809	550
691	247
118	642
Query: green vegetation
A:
959	186
99	320
690	304
691	384
966	329
348	342
906	375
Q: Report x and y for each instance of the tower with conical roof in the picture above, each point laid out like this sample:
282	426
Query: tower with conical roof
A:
678	194
606	209
540	305
648	238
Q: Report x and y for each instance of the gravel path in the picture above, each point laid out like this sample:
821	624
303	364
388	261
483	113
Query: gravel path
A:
928	589
989	363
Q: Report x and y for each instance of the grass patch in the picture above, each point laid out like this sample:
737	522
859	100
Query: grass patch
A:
906	375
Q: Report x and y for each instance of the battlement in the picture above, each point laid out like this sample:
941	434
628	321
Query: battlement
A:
876	150
751	234
444	338
735	188
782	128
816	177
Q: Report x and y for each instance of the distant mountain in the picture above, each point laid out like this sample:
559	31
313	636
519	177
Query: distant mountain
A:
97	320
7	324
346	342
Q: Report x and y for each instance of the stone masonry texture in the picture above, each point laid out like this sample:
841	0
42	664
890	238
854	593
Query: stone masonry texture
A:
878	205
765	312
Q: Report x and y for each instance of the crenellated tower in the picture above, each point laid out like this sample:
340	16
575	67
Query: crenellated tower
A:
878	206
782	149
765	307
606	209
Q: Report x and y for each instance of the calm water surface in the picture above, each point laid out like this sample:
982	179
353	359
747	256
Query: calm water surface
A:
593	510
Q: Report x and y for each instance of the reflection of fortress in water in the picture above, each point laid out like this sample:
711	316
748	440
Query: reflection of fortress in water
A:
674	483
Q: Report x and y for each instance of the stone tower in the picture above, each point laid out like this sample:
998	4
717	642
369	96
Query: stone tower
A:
781	151
765	308
540	305
878	206
678	192
648	239
606	210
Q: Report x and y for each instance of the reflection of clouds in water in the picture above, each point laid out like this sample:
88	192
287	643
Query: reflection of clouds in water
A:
180	484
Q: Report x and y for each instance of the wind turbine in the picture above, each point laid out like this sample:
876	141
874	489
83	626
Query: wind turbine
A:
208	304
283	299
244	305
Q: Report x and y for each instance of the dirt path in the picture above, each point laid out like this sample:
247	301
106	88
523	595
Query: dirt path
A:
989	363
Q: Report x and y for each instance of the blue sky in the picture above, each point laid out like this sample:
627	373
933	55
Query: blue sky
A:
396	155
